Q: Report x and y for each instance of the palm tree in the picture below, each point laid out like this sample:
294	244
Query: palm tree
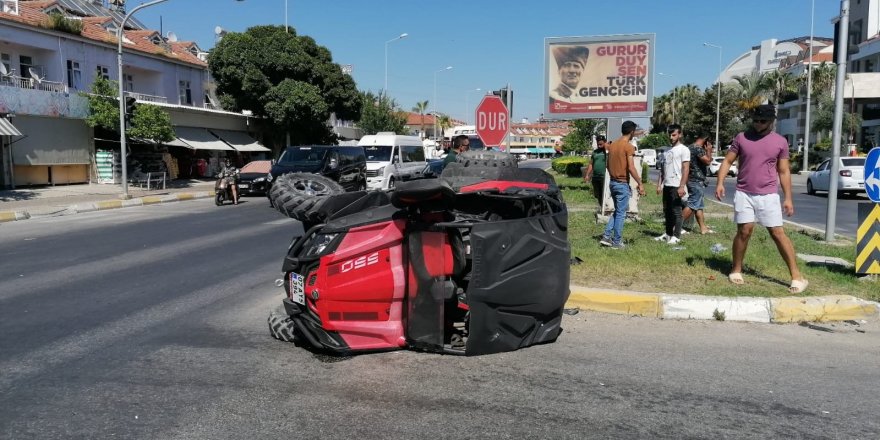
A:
420	108
824	76
444	122
752	91
780	84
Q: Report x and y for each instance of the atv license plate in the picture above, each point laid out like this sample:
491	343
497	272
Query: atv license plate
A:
297	291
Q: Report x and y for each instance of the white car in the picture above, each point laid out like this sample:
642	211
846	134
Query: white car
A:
715	165
850	177
649	157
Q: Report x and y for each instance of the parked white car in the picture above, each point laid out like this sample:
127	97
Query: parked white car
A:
649	157
715	165
850	178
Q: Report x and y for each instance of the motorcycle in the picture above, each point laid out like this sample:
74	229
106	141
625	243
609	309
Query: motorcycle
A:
223	188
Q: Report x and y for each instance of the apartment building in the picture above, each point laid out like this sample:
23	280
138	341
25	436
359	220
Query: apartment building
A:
52	50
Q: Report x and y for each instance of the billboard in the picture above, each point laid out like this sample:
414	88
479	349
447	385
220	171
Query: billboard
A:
608	76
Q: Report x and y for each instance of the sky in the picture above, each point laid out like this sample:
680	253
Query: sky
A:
492	43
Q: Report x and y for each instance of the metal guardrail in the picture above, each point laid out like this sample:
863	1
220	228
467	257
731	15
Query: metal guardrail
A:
147	98
33	84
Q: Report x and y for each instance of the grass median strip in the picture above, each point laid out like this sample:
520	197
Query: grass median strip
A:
691	266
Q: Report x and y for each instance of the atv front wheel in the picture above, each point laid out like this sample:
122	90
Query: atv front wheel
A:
281	327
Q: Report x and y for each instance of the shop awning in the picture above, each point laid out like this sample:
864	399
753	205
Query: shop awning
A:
198	139
7	129
239	140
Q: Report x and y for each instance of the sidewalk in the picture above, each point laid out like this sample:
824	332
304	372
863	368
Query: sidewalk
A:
25	203
22	204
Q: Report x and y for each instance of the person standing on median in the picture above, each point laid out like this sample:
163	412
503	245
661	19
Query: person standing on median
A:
673	183
701	157
595	173
620	169
763	167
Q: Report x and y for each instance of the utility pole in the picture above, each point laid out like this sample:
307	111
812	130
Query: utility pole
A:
836	132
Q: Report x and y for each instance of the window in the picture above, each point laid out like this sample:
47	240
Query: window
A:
102	72
410	153
74	74
129	82
25	63
7	62
185	93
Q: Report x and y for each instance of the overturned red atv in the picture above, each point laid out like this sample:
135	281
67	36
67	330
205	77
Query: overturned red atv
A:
474	262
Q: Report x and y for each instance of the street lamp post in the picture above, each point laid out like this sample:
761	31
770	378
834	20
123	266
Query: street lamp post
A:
435	97
806	150
122	146
718	100
674	96
467	106
399	37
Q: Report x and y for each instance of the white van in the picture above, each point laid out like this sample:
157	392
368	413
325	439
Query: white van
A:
390	156
649	157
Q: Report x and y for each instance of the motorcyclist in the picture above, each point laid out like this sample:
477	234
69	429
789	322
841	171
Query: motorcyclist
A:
230	175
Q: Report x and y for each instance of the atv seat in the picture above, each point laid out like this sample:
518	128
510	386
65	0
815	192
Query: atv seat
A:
426	195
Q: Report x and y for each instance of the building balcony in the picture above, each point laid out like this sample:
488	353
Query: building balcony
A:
147	98
33	84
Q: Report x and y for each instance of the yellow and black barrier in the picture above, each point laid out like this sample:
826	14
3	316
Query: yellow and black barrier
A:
868	239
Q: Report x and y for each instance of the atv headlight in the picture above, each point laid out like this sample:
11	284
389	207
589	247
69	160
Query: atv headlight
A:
318	243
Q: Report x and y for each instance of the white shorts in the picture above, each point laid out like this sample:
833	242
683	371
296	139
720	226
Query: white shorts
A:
765	209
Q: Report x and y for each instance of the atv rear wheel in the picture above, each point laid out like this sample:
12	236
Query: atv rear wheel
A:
299	195
281	327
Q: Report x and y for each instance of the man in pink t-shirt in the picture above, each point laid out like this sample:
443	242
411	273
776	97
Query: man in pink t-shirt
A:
763	168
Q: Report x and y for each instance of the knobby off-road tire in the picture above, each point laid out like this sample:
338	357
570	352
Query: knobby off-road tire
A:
300	195
490	159
281	327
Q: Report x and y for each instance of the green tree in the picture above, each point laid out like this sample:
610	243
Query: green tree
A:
654	141
579	138
103	105
151	122
752	91
444	121
781	86
380	113
287	78
148	121
823	121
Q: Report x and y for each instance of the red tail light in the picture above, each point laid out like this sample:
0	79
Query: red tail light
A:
846	173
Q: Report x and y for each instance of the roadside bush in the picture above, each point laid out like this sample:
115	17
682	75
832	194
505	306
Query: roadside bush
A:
654	141
569	165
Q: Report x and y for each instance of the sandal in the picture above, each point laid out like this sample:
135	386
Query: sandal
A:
736	278
798	286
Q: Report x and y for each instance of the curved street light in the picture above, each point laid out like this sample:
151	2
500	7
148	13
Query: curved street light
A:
123	150
674	95
399	37
718	100
435	97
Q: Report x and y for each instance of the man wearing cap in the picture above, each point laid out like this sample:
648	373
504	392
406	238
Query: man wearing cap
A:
621	168
763	167
595	173
571	61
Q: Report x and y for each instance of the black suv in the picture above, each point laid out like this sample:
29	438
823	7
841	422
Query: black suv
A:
342	164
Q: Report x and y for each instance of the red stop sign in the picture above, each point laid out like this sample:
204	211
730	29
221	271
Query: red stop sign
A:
493	122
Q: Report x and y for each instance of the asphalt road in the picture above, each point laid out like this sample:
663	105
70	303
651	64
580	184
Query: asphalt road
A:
150	322
809	210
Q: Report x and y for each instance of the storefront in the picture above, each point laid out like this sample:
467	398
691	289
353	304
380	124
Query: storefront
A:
60	155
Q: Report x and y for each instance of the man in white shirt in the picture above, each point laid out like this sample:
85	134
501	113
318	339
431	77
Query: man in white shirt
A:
673	183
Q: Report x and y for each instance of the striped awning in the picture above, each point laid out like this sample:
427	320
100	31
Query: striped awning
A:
198	139
239	140
7	129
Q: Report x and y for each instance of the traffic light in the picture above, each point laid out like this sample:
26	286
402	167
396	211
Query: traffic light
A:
129	106
503	94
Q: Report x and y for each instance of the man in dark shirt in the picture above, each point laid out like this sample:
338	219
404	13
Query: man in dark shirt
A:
701	156
460	144
596	170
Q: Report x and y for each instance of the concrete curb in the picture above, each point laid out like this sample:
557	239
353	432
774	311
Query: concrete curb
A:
9	216
749	309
